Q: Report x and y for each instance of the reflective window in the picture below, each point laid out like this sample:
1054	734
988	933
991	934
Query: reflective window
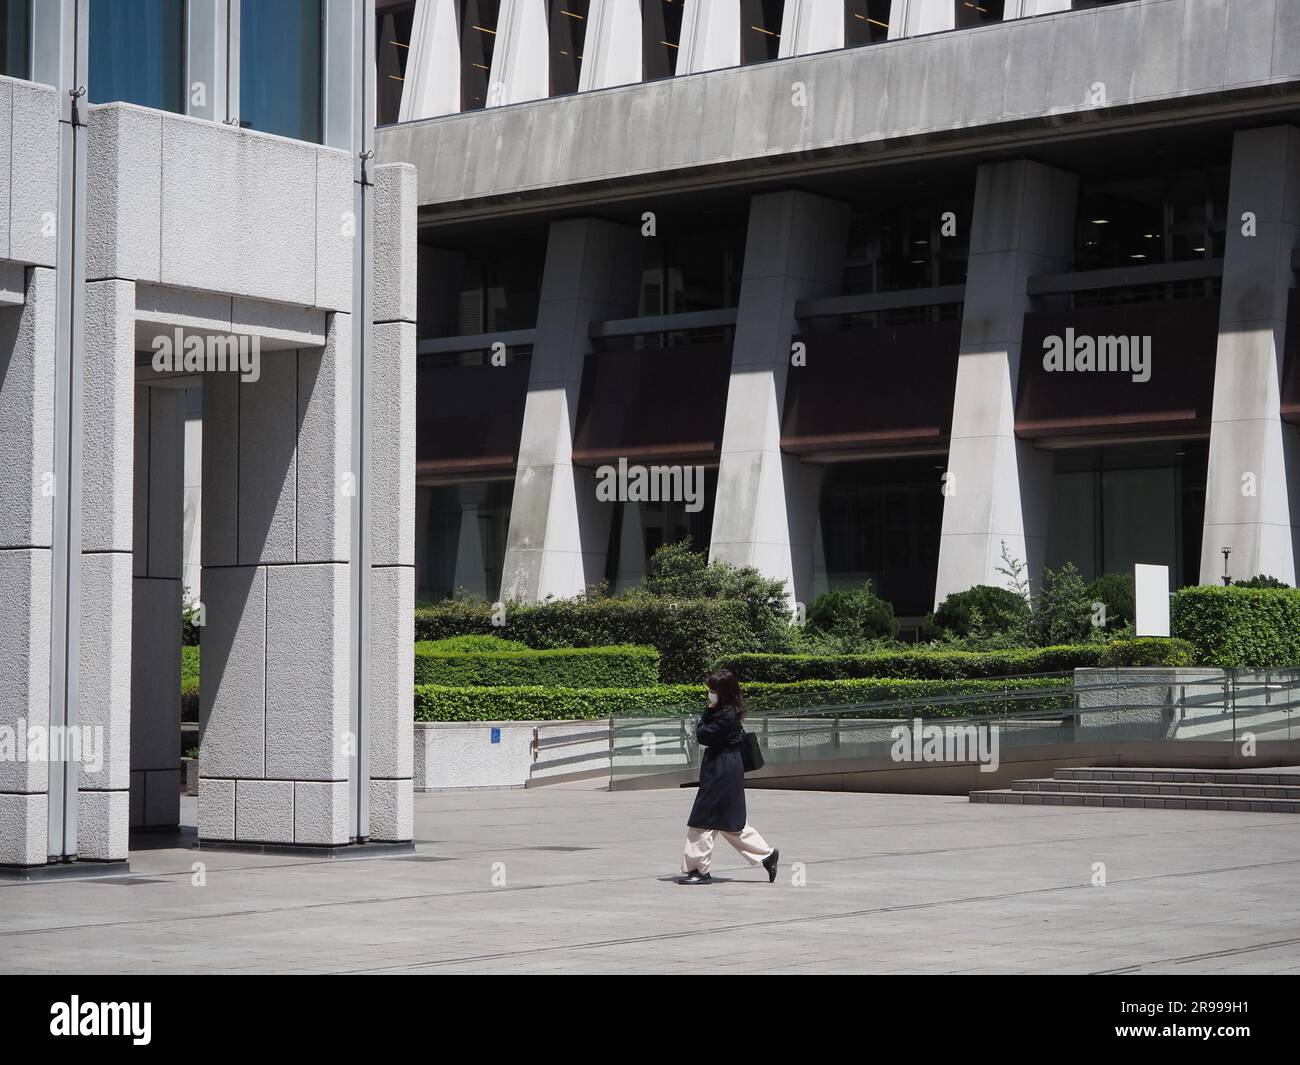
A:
977	12
760	30
661	35
1151	219
478	35
280	67
14	28
911	245
693	263
638	530
865	22
568	33
461	539
137	53
393	23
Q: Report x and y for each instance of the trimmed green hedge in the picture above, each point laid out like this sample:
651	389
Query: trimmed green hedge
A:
566	667
920	664
1148	651
689	634
1239	628
435	703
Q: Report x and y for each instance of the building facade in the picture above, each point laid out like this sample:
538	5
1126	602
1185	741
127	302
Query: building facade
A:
926	287
197	232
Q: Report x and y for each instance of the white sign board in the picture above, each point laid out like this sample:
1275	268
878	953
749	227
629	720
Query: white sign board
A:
1151	600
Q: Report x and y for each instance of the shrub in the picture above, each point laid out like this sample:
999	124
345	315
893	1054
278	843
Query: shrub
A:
1148	651
854	616
1262	580
1239	628
190	627
436	703
1115	590
689	634
980	610
922	664
1063	610
573	667
470	645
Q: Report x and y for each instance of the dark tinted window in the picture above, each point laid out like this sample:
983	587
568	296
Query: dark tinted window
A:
977	12
280	67
14	28
478	35
392	47
137	52
568	33
661	35
865	22
760	30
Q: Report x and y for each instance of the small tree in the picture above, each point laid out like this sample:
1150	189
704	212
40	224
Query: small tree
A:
1063	612
856	617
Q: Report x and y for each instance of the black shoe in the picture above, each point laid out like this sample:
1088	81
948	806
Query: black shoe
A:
696	877
769	863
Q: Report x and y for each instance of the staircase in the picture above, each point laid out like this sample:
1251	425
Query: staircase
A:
1275	791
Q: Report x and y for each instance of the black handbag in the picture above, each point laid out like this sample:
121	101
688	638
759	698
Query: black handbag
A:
750	754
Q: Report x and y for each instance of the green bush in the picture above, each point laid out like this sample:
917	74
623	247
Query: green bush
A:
436	703
854	616
471	645
1239	628
569	667
1262	580
981	610
1063	609
921	664
689	634
1148	651
1115	590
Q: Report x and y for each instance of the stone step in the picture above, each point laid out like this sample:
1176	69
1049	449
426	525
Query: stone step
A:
1280	775
1135	802
1138	787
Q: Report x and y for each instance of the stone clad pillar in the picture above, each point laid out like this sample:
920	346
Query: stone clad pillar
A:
1252	497
766	509
555	545
1000	487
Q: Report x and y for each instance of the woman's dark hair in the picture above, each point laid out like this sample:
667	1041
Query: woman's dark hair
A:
724	682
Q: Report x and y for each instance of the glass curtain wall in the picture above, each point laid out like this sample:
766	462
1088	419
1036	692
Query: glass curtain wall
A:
866	22
661	36
280	67
393	24
15	27
461	539
137	52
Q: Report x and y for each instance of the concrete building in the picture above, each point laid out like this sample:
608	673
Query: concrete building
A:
194	221
833	251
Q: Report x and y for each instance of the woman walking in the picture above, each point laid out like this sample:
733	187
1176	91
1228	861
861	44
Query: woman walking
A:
720	801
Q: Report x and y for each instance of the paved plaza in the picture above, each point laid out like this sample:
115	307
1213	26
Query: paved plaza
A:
578	880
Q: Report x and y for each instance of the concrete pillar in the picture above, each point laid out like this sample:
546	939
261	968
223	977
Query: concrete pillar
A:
1037	7
275	706
554	545
710	36
107	507
160	460
432	85
392	500
612	52
1254	474
999	486
766	509
27	346
809	26
469	550
521	67
918	17
631	548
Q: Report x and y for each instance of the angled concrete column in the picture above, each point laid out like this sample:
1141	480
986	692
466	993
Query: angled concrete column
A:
710	36
27	347
612	50
392	500
1000	486
1253	492
924	16
107	504
554	547
521	67
1038	7
432	85
276	549
766	510
160	460
809	26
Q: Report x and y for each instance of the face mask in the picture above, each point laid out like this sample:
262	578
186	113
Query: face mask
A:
713	698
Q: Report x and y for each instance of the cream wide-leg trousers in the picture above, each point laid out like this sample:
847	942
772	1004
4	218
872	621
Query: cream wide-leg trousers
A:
699	847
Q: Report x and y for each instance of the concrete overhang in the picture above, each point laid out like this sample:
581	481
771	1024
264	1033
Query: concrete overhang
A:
986	91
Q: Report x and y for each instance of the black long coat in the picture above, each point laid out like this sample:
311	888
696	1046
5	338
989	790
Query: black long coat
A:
720	802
